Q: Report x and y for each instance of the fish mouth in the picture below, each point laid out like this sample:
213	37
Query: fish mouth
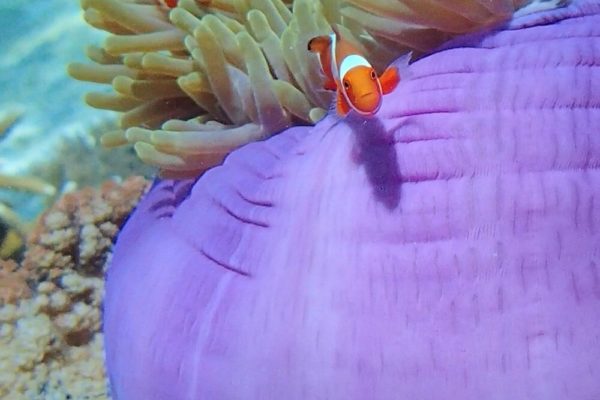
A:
368	103
366	95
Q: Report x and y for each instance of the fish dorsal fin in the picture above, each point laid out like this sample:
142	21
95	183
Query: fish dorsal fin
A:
330	84
336	31
319	44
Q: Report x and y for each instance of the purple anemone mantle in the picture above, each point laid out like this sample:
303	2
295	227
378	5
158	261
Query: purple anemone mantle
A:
447	249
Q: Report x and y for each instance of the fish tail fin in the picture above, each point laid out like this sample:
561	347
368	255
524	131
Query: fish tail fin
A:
399	70
402	63
389	79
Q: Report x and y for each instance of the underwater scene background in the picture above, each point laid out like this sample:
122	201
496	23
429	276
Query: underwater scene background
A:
101	98
50	161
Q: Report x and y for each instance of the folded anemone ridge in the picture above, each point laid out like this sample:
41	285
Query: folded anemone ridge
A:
447	248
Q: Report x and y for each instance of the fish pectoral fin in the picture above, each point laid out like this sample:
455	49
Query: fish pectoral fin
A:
389	80
318	44
330	84
342	105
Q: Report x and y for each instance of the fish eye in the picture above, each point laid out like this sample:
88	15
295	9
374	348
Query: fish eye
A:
346	85
373	75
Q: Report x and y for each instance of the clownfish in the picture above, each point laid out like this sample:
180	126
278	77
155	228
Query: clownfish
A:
168	3
349	73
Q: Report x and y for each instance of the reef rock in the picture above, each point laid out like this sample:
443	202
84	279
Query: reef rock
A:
51	346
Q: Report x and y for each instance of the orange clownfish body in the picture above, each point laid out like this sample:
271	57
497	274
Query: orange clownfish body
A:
168	3
351	75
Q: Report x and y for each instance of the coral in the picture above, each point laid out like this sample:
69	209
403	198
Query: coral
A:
12	229
50	344
9	116
76	233
83	162
13	284
213	75
27	183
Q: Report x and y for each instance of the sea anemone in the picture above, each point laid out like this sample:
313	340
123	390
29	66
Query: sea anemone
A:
446	249
209	76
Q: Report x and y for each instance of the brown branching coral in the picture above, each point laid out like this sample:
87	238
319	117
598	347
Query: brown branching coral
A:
212	75
13	284
50	344
50	340
77	231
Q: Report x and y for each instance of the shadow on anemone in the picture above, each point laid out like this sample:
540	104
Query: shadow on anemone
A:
177	191
374	149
